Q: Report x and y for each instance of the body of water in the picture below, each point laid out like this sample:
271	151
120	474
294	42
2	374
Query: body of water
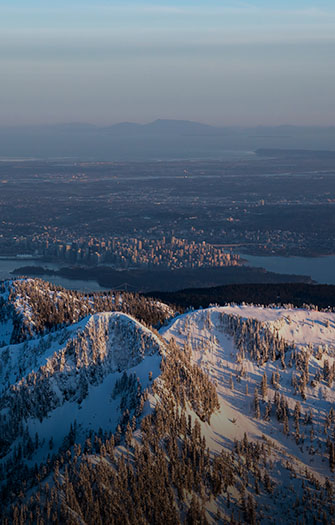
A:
320	269
8	265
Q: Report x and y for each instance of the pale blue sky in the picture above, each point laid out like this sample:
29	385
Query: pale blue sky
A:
222	62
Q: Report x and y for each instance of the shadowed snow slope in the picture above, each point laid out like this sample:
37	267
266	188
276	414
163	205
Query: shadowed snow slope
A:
70	376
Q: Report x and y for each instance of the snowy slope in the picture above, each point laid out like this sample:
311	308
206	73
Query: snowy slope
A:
236	378
273	368
30	308
297	325
68	378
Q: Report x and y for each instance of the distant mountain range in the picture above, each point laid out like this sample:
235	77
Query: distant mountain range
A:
161	139
172	126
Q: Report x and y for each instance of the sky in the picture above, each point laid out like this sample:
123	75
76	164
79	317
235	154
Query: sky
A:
215	61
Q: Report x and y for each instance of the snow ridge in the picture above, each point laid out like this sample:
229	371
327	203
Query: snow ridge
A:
100	346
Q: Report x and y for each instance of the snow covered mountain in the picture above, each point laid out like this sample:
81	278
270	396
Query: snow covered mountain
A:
225	415
56	382
274	371
32	307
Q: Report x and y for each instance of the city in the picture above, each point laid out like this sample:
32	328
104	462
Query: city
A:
127	252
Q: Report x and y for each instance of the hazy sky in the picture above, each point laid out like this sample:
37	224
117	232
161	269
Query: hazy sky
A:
217	61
